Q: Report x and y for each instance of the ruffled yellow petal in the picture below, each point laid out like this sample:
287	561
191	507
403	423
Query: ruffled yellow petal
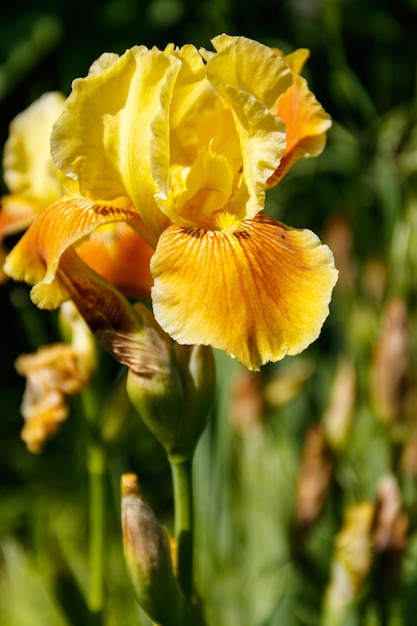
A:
259	291
306	122
237	73
250	66
28	167
191	112
36	256
114	130
204	148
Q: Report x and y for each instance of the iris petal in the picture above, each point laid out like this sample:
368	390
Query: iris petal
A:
16	213
249	66
114	130
36	257
27	163
209	186
258	291
306	122
121	256
249	90
194	101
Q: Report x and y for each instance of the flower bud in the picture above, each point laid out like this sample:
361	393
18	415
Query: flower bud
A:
158	398
175	400
148	559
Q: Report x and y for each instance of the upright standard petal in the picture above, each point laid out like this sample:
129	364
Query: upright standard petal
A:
194	101
238	73
251	67
257	290
209	186
106	139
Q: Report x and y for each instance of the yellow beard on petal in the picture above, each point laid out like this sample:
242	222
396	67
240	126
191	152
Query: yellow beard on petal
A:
226	222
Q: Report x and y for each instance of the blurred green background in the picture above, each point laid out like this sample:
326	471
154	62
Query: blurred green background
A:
267	542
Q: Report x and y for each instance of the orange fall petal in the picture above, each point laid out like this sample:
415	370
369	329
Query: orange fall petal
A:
36	257
258	292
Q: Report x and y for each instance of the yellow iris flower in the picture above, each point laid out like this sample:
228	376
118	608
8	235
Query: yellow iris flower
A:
34	183
29	172
182	144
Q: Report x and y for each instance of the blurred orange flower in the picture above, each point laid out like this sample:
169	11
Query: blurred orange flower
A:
52	374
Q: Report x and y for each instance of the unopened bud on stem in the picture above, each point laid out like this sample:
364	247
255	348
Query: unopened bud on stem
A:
148	560
175	400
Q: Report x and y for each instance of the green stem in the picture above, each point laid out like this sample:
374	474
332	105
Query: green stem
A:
184	523
96	470
96	465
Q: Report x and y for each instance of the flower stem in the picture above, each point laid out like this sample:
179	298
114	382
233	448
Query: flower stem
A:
96	470
184	523
96	466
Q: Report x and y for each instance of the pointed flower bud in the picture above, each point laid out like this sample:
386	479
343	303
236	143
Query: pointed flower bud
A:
148	559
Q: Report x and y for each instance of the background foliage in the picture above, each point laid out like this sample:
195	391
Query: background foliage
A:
261	559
